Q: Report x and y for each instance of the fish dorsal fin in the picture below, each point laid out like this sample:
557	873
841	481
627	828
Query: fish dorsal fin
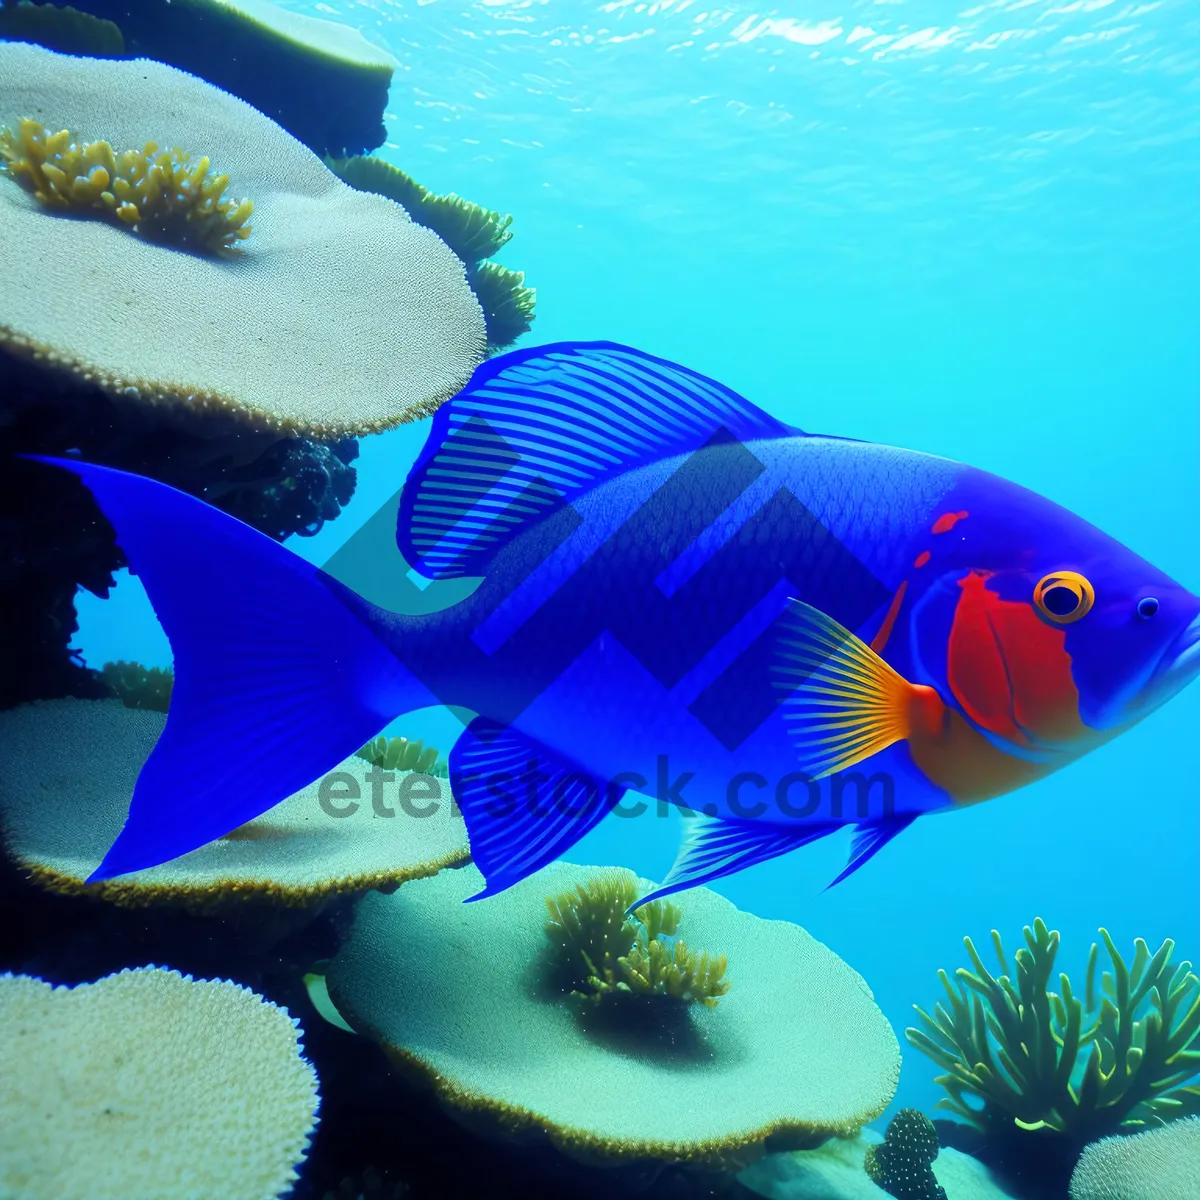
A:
714	847
537	427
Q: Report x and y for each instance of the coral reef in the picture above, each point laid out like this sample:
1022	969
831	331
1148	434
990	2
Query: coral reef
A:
601	953
506	302
59	813
796	1051
160	194
324	82
470	230
399	754
149	1083
139	687
1041	1073
369	1184
235	382
474	233
61	28
836	1170
53	538
903	1164
257	345
1158	1164
1015	1048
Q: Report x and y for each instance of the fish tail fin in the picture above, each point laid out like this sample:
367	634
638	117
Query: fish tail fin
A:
276	679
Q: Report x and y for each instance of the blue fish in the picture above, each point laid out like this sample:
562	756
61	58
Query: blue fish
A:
783	634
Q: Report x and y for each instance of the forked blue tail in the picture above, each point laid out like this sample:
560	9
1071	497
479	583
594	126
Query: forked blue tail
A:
276	681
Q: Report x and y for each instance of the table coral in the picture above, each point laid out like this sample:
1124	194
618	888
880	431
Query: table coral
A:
61	28
149	1083
288	338
473	232
506	301
160	194
470	230
321	79
1158	1164
456	993
242	378
67	775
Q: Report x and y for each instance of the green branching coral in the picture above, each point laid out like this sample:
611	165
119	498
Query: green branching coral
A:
1019	1056
399	754
506	302
160	194
139	687
903	1164
470	230
602	953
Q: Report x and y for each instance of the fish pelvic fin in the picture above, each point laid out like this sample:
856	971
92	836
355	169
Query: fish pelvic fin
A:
844	703
523	805
276	680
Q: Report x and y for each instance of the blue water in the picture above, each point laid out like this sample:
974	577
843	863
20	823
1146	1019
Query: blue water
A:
967	230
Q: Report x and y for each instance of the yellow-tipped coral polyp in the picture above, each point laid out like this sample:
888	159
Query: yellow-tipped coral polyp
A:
160	194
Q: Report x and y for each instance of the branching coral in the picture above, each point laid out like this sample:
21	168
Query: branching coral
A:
160	194
903	1164
602	953
139	687
399	754
1020	1055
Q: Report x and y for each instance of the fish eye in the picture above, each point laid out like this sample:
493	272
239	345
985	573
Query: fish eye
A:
1064	596
1147	607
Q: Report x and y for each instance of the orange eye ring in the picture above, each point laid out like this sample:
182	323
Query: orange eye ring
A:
1064	597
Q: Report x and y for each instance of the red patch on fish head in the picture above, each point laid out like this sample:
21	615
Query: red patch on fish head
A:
1009	669
947	521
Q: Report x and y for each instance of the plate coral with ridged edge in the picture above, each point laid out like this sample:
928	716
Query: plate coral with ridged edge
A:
149	1083
337	316
462	997
322	80
67	775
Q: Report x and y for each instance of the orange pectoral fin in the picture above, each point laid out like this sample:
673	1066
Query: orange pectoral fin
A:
844	702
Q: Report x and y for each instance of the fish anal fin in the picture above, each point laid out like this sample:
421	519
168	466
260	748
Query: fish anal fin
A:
713	848
869	838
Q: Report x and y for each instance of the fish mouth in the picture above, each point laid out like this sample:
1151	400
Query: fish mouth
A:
1179	665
